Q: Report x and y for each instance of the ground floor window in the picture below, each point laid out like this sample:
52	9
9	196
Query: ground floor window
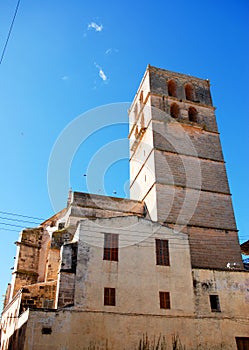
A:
164	300
242	343
109	296
214	303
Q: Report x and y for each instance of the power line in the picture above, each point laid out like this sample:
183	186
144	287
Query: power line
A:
10	30
23	216
16	220
3	223
8	229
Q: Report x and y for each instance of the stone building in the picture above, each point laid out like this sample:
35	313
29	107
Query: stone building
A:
163	266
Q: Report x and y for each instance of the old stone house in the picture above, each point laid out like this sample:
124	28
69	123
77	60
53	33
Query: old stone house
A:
106	272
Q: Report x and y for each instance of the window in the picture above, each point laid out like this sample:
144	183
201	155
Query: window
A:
61	225
174	110
142	120
141	97
136	131
135	109
46	330
192	114
214	303
109	296
242	343
172	88
162	252
164	300
111	247
189	92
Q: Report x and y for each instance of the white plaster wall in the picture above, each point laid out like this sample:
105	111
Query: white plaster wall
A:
135	276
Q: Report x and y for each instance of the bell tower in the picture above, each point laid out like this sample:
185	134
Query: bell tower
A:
177	166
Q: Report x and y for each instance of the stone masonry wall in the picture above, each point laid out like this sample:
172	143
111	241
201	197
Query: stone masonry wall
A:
39	295
194	207
161	108
26	269
66	289
198	143
213	248
160	77
181	170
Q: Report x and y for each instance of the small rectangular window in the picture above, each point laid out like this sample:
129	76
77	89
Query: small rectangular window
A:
162	252
214	303
164	300
111	247
61	225
109	296
46	330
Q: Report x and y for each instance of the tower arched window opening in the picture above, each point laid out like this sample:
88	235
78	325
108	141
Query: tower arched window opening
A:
192	114
189	92
172	88
135	110
174	110
142	120
141	97
136	131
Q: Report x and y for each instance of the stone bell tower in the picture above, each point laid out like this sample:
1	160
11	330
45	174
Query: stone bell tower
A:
177	166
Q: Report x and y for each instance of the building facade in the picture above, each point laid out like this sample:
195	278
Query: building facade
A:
163	267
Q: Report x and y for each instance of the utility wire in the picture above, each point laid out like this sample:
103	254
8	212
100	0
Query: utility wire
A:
3	223
23	216
8	229
10	30
18	220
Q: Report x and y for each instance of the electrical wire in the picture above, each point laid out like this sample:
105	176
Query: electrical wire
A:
9	33
3	223
8	229
23	216
18	220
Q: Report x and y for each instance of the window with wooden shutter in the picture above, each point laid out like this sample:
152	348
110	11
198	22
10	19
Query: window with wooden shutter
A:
164	300
109	296
242	343
111	247
162	252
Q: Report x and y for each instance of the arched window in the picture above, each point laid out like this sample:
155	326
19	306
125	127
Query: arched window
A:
136	131
192	114
174	110
142	120
135	110
141	97
189	92
172	88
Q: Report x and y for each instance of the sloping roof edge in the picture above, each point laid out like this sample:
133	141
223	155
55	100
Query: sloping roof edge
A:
245	248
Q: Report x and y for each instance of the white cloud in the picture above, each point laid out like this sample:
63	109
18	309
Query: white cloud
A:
109	51
102	75
65	77
97	27
101	72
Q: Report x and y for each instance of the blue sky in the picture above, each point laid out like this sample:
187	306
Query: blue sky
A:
67	57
